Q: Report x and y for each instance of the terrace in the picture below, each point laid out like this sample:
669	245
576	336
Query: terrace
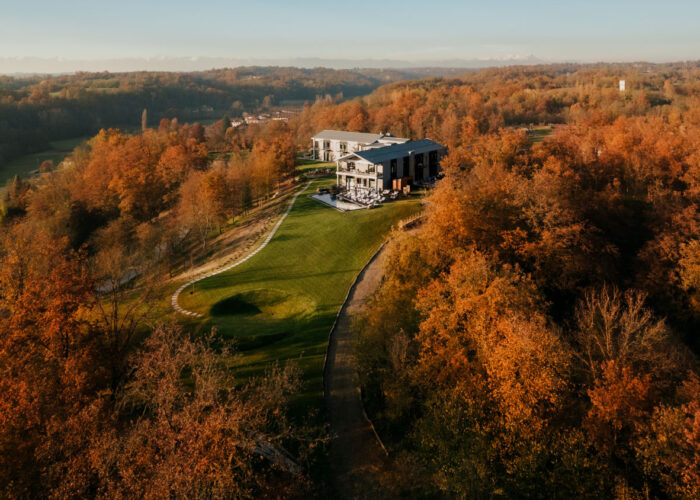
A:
367	197
354	197
336	202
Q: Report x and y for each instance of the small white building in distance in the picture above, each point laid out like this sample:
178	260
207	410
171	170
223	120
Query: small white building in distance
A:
622	85
330	145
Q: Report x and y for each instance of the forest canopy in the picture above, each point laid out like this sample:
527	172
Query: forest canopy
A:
536	335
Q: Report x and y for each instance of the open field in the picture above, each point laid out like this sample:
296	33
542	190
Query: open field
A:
538	134
281	304
27	165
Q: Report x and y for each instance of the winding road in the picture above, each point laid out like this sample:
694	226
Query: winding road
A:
176	295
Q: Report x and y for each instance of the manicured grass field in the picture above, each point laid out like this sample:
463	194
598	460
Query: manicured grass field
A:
281	304
27	165
303	165
539	134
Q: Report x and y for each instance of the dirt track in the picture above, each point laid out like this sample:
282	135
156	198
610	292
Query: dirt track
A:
356	453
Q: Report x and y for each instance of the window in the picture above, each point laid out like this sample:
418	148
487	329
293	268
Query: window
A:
419	167
433	163
326	144
343	146
406	164
419	160
351	165
394	168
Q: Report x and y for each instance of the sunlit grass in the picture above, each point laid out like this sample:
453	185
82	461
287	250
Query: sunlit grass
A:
280	304
305	165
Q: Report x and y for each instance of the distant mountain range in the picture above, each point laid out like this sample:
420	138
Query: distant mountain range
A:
58	65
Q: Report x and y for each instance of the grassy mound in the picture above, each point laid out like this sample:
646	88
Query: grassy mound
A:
238	304
254	315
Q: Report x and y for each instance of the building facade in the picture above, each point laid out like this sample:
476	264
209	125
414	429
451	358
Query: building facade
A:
331	145
376	168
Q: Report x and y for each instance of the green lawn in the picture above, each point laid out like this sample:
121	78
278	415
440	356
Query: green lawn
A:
28	165
538	134
304	165
280	304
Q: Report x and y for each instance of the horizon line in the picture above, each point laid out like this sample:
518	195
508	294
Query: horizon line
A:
56	65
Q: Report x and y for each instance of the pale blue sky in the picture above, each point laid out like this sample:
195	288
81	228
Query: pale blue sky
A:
408	30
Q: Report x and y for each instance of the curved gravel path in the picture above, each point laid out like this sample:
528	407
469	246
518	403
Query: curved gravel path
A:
177	293
356	452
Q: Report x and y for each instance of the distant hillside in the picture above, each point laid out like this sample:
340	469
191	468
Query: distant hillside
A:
38	109
54	66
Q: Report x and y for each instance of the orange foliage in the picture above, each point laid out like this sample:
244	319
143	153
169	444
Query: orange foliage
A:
514	335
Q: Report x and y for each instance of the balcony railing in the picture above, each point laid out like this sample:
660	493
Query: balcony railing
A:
357	173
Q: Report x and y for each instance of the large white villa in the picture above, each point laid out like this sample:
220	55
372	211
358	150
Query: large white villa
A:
331	145
376	161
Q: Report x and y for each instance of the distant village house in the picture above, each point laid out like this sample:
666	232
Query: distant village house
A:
251	119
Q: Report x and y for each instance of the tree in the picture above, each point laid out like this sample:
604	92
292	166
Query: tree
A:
46	166
669	448
196	210
119	315
15	200
197	436
616	328
51	369
689	264
218	195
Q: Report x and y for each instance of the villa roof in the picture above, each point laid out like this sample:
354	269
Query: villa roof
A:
341	135
379	155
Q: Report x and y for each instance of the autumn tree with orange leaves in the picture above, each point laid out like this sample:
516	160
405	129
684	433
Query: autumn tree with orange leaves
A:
535	336
175	422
